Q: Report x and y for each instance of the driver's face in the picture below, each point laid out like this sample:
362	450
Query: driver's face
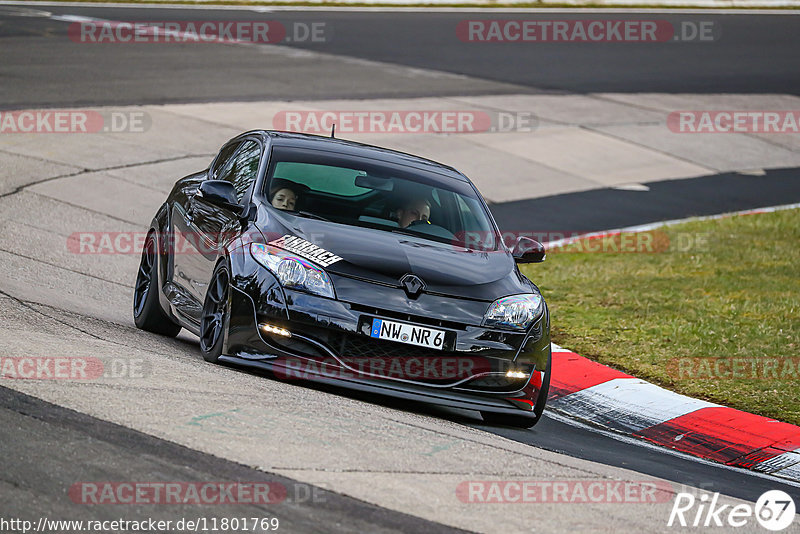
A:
418	211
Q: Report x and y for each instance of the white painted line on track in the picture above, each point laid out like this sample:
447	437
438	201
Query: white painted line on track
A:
780	462
15	11
427	9
788	473
278	48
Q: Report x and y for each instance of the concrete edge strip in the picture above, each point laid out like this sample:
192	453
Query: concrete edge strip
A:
611	399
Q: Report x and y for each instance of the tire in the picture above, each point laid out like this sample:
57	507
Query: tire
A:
522	421
215	313
147	312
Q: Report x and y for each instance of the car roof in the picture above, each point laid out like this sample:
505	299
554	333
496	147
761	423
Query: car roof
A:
355	149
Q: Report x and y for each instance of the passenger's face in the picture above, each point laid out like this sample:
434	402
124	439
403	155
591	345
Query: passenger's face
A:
419	211
284	199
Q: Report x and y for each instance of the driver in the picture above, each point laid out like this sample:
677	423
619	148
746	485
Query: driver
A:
418	209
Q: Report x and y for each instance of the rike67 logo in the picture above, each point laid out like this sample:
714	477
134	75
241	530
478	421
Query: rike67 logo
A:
774	510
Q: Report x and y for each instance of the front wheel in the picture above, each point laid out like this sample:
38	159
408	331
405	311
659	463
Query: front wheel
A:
147	312
215	310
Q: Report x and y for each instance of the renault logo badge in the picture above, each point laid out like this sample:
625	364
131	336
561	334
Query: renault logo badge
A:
413	285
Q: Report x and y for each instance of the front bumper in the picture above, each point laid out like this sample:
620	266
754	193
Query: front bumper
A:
330	343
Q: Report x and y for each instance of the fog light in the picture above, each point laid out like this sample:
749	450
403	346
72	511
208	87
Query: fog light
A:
277	330
516	374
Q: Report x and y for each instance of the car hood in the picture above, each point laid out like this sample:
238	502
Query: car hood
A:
384	257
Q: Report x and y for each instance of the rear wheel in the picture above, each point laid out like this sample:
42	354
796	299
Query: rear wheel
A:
215	310
522	421
147	312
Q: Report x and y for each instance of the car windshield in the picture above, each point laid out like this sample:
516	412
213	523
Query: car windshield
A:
379	195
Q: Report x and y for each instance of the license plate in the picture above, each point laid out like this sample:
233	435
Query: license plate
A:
421	336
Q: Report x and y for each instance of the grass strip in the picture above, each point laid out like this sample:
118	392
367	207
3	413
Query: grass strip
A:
709	309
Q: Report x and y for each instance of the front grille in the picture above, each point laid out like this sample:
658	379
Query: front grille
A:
361	346
402	361
440	367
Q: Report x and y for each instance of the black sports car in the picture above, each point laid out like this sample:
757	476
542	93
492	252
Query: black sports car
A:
328	260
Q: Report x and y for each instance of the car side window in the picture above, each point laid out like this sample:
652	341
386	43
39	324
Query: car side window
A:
222	159
242	169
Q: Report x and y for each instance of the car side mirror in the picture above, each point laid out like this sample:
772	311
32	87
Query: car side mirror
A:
220	193
527	250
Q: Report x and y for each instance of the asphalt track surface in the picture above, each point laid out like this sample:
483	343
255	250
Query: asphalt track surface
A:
748	54
66	438
609	208
34	72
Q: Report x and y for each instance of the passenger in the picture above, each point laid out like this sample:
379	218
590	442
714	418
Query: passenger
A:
283	198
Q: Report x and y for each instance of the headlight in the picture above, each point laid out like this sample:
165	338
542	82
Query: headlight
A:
516	311
293	271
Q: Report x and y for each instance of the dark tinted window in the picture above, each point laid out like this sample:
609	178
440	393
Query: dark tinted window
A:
384	196
242	169
223	158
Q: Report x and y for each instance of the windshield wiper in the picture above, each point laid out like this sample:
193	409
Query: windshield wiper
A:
405	231
310	215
